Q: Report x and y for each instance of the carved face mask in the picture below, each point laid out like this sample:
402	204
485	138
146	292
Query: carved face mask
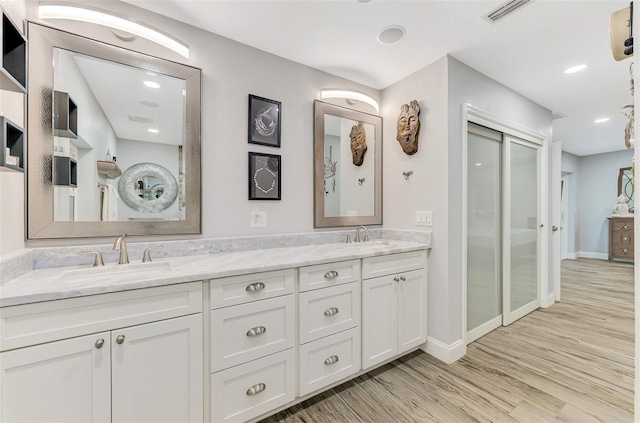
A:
358	143
409	127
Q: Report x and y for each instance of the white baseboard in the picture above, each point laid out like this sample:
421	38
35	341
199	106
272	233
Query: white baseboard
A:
549	301
446	353
592	255
571	256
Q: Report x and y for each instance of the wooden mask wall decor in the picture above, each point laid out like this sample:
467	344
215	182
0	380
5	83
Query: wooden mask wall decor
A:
409	127
358	143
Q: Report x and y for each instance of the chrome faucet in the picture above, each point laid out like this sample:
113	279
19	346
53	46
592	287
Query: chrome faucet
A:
366	234
121	245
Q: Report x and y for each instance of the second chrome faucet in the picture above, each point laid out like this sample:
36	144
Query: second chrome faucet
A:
121	245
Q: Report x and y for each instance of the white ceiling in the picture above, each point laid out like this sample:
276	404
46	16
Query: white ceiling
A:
528	51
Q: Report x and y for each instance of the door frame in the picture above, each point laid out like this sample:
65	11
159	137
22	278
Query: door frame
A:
479	116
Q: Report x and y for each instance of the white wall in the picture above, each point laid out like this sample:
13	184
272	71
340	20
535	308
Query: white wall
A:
597	191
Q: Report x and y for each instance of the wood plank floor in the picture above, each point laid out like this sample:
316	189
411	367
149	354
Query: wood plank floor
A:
572	362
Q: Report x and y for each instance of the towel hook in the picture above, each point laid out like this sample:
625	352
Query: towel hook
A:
407	174
360	181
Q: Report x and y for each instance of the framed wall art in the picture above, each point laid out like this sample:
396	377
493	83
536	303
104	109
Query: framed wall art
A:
264	121
264	176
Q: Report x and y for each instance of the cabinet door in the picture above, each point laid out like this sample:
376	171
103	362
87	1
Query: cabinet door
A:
63	381
158	371
379	320
412	310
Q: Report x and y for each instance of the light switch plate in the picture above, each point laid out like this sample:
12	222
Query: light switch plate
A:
424	218
258	219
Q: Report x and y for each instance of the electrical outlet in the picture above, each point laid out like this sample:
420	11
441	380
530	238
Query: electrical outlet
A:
258	219
424	218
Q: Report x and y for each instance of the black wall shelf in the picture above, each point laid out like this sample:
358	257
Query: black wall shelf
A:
13	56
11	137
65	122
65	171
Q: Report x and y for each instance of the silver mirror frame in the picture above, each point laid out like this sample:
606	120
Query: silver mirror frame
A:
40	219
320	220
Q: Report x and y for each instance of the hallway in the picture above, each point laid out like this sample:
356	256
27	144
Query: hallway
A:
573	362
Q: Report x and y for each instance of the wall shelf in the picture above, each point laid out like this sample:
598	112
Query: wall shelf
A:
65	117
65	171
110	169
11	137
13	56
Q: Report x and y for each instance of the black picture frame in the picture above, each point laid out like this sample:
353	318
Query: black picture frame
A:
265	118
265	175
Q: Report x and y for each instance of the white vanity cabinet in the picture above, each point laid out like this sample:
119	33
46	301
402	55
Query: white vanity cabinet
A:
252	344
329	324
394	305
126	356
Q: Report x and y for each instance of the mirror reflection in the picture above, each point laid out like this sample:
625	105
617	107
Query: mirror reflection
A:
109	118
625	186
348	161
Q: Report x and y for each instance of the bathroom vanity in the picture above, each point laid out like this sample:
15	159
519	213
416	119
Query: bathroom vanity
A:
220	337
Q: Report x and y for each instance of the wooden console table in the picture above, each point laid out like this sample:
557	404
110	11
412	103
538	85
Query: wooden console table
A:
621	238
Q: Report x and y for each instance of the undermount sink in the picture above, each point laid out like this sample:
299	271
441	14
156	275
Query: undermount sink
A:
114	269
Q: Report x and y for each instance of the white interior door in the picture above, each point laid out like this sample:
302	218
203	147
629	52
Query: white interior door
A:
556	218
522	227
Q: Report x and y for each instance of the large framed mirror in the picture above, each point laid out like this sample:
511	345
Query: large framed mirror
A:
625	185
99	117
347	175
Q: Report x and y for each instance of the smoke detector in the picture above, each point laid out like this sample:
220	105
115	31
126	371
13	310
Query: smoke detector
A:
505	10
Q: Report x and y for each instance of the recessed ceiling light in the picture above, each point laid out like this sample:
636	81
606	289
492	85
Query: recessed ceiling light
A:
602	120
391	34
574	69
153	131
478	164
151	84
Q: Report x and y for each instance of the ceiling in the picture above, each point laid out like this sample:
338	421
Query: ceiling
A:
527	51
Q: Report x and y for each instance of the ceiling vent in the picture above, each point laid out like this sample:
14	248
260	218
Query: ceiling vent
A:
140	119
505	10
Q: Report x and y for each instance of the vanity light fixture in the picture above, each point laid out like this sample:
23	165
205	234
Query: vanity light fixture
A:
151	84
95	16
349	95
574	69
602	120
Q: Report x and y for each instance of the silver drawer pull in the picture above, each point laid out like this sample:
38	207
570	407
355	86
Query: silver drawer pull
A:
624	251
258	330
625	226
331	311
120	339
332	274
256	389
331	360
99	343
255	287
396	279
402	278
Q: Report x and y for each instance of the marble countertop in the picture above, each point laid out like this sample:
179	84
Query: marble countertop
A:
68	282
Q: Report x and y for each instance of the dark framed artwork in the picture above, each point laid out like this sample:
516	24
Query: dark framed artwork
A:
264	176
264	121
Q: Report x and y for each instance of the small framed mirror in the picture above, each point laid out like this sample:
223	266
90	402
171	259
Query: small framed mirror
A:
347	167
625	185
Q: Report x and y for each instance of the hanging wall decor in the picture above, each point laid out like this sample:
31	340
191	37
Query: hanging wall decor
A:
264	176
264	121
409	127
358	143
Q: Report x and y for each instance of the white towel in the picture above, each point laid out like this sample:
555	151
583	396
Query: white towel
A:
109	204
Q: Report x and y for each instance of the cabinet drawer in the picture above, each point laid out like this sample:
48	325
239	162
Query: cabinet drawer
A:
249	331
327	311
329	360
37	323
244	392
623	252
245	288
331	274
622	225
373	267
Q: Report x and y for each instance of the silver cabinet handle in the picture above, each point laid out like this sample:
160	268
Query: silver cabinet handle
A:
624	251
332	274
331	360
554	228
331	311
256	389
99	343
396	279
402	278
255	287
542	225
258	330
120	339
625	226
